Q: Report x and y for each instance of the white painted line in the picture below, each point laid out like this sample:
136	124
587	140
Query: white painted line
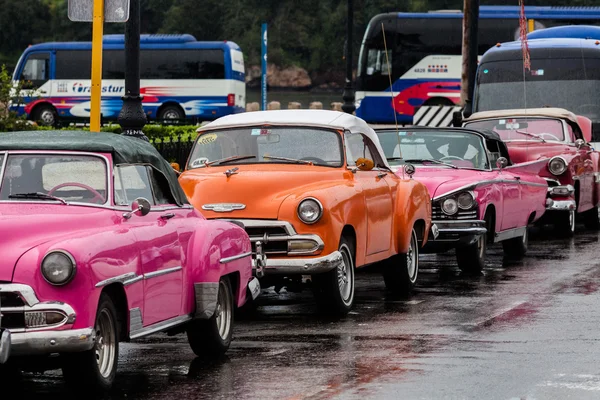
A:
484	320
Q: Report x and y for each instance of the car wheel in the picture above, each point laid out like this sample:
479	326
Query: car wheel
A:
400	272
592	218
565	223
334	290
171	112
212	337
97	368
471	258
516	247
45	114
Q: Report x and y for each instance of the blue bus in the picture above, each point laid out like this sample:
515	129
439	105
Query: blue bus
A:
424	51
565	73
181	78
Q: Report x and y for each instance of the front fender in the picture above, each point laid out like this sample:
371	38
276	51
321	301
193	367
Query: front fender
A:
413	203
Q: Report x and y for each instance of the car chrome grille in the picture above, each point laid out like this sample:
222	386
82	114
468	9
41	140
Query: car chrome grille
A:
273	238
12	309
8	299
438	214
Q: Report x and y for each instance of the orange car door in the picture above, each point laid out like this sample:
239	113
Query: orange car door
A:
377	193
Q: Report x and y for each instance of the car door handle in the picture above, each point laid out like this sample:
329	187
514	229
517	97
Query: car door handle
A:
167	216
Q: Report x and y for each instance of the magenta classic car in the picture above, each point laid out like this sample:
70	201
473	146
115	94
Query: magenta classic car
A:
553	143
478	197
100	246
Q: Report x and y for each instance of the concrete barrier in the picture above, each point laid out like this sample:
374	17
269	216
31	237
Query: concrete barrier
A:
274	105
336	106
294	105
255	106
315	105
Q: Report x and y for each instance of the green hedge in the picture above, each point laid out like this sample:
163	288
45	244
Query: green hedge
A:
153	132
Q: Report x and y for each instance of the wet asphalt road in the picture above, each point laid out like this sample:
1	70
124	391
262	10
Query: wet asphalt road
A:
521	330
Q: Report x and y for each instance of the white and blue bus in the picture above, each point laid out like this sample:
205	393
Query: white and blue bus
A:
181	79
424	52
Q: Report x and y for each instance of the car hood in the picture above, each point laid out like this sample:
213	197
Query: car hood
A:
526	151
25	226
261	189
441	180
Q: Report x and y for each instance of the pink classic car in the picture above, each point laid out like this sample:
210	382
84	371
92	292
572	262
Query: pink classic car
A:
99	245
553	143
478	197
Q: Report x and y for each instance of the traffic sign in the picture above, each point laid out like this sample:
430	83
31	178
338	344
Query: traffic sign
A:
114	10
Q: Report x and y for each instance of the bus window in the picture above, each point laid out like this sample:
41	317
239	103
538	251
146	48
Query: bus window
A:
182	64
36	70
73	64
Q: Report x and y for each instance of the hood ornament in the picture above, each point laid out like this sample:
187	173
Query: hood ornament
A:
223	207
232	171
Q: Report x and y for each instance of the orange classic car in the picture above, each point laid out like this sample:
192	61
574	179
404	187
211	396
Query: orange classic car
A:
316	195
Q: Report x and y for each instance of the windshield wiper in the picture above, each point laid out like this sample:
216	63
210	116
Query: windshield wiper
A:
36	195
531	135
228	159
288	159
431	160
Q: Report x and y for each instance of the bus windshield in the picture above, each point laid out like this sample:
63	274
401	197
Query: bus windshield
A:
572	84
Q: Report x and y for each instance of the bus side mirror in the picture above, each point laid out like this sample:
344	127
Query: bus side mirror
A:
457	119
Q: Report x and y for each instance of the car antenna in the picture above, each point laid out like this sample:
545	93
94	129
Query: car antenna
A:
389	70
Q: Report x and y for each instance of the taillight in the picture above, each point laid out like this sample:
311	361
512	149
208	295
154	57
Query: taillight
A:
231	99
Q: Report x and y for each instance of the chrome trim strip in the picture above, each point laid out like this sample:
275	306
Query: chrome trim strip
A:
48	342
223	207
3	166
477	184
533	184
5	345
299	266
257	223
509	234
119	278
133	280
160	326
161	272
233	258
24	291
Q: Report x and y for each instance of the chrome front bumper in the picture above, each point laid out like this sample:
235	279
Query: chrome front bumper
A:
5	341
560	205
37	337
452	234
295	266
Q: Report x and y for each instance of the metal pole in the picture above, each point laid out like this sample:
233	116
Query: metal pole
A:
96	95
348	95
132	117
469	51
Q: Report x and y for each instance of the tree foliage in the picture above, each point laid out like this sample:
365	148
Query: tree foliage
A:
308	33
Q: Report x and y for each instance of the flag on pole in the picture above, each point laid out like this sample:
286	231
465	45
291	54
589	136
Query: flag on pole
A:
523	31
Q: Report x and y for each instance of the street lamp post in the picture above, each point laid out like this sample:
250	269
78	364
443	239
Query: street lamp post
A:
132	117
348	95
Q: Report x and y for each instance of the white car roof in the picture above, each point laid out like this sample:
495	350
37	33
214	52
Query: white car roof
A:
313	118
546	112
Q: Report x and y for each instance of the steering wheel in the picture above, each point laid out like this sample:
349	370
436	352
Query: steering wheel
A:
97	196
451	158
315	159
548	134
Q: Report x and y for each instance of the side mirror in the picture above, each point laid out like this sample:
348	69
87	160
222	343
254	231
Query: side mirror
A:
409	169
501	162
176	166
364	164
457	119
140	206
579	143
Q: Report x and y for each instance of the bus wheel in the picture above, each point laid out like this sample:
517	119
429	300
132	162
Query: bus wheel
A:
171	111
45	114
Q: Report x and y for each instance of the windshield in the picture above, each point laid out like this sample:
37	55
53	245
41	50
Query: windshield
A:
461	149
572	84
28	177
294	145
523	128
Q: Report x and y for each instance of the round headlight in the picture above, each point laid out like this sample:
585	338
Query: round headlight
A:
310	211
465	201
557	165
58	268
450	207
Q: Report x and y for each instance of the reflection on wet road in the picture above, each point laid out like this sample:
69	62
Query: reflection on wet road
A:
522	330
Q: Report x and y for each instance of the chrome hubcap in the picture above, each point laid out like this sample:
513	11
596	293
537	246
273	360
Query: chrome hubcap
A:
411	261
223	312
47	117
172	115
105	343
345	275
